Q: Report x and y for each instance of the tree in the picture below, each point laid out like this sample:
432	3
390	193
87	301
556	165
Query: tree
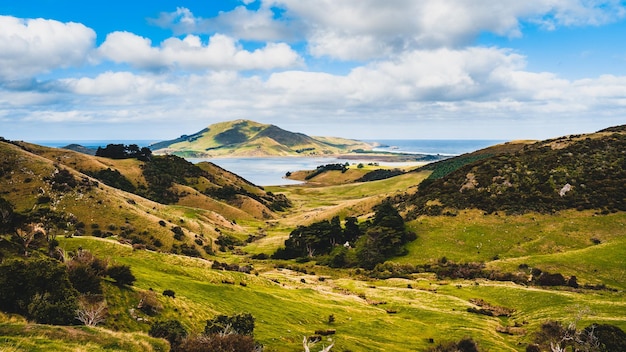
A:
121	274
610	337
28	233
352	231
305	345
92	310
6	215
84	279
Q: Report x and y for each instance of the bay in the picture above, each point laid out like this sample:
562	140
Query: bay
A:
270	171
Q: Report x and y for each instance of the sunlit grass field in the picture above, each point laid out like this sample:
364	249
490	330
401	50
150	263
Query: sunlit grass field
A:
389	315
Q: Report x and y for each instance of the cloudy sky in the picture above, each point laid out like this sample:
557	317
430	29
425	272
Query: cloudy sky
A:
364	69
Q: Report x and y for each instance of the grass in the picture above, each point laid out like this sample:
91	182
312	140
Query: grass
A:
18	335
555	243
286	308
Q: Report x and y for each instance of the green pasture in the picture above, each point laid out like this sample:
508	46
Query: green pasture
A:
389	315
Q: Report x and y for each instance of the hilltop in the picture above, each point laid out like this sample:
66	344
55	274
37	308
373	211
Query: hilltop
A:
241	138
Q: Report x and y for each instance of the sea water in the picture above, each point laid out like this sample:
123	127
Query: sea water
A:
449	147
272	170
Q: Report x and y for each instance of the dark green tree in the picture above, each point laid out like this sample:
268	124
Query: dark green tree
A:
352	231
39	289
6	215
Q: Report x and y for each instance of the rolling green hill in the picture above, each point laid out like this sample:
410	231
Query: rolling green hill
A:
573	172
248	138
474	271
163	204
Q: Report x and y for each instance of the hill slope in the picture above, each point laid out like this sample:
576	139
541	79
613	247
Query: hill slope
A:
165	204
249	138
574	172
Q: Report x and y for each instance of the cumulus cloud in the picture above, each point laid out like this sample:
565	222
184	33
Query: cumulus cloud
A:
462	86
32	46
340	28
220	53
366	29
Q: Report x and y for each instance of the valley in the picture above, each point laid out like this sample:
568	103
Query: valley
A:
472	271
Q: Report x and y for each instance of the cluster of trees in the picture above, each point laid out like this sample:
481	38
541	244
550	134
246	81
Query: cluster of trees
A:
328	167
276	202
161	172
43	282
446	269
554	336
122	151
379	174
363	245
221	334
113	178
49	291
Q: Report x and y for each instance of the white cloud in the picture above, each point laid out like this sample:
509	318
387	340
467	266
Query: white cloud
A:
366	29
339	28
418	89
220	53
118	85
32	46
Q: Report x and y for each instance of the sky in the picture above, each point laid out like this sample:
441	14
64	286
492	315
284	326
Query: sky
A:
362	69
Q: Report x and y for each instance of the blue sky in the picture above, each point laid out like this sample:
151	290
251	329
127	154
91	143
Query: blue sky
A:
364	69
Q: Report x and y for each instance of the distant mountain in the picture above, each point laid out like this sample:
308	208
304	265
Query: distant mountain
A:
81	149
581	172
249	138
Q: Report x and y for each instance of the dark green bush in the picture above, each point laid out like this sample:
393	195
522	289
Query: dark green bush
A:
39	289
242	324
121	274
219	343
171	330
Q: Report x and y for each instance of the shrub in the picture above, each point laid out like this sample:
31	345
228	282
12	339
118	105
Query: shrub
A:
178	233
171	330
121	274
610	337
219	343
242	324
465	345
148	303
84	279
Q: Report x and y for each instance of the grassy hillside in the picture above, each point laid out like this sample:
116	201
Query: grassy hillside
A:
53	184
290	304
573	172
248	138
471	272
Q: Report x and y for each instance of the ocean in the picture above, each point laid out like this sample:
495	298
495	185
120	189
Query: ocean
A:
450	147
271	171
